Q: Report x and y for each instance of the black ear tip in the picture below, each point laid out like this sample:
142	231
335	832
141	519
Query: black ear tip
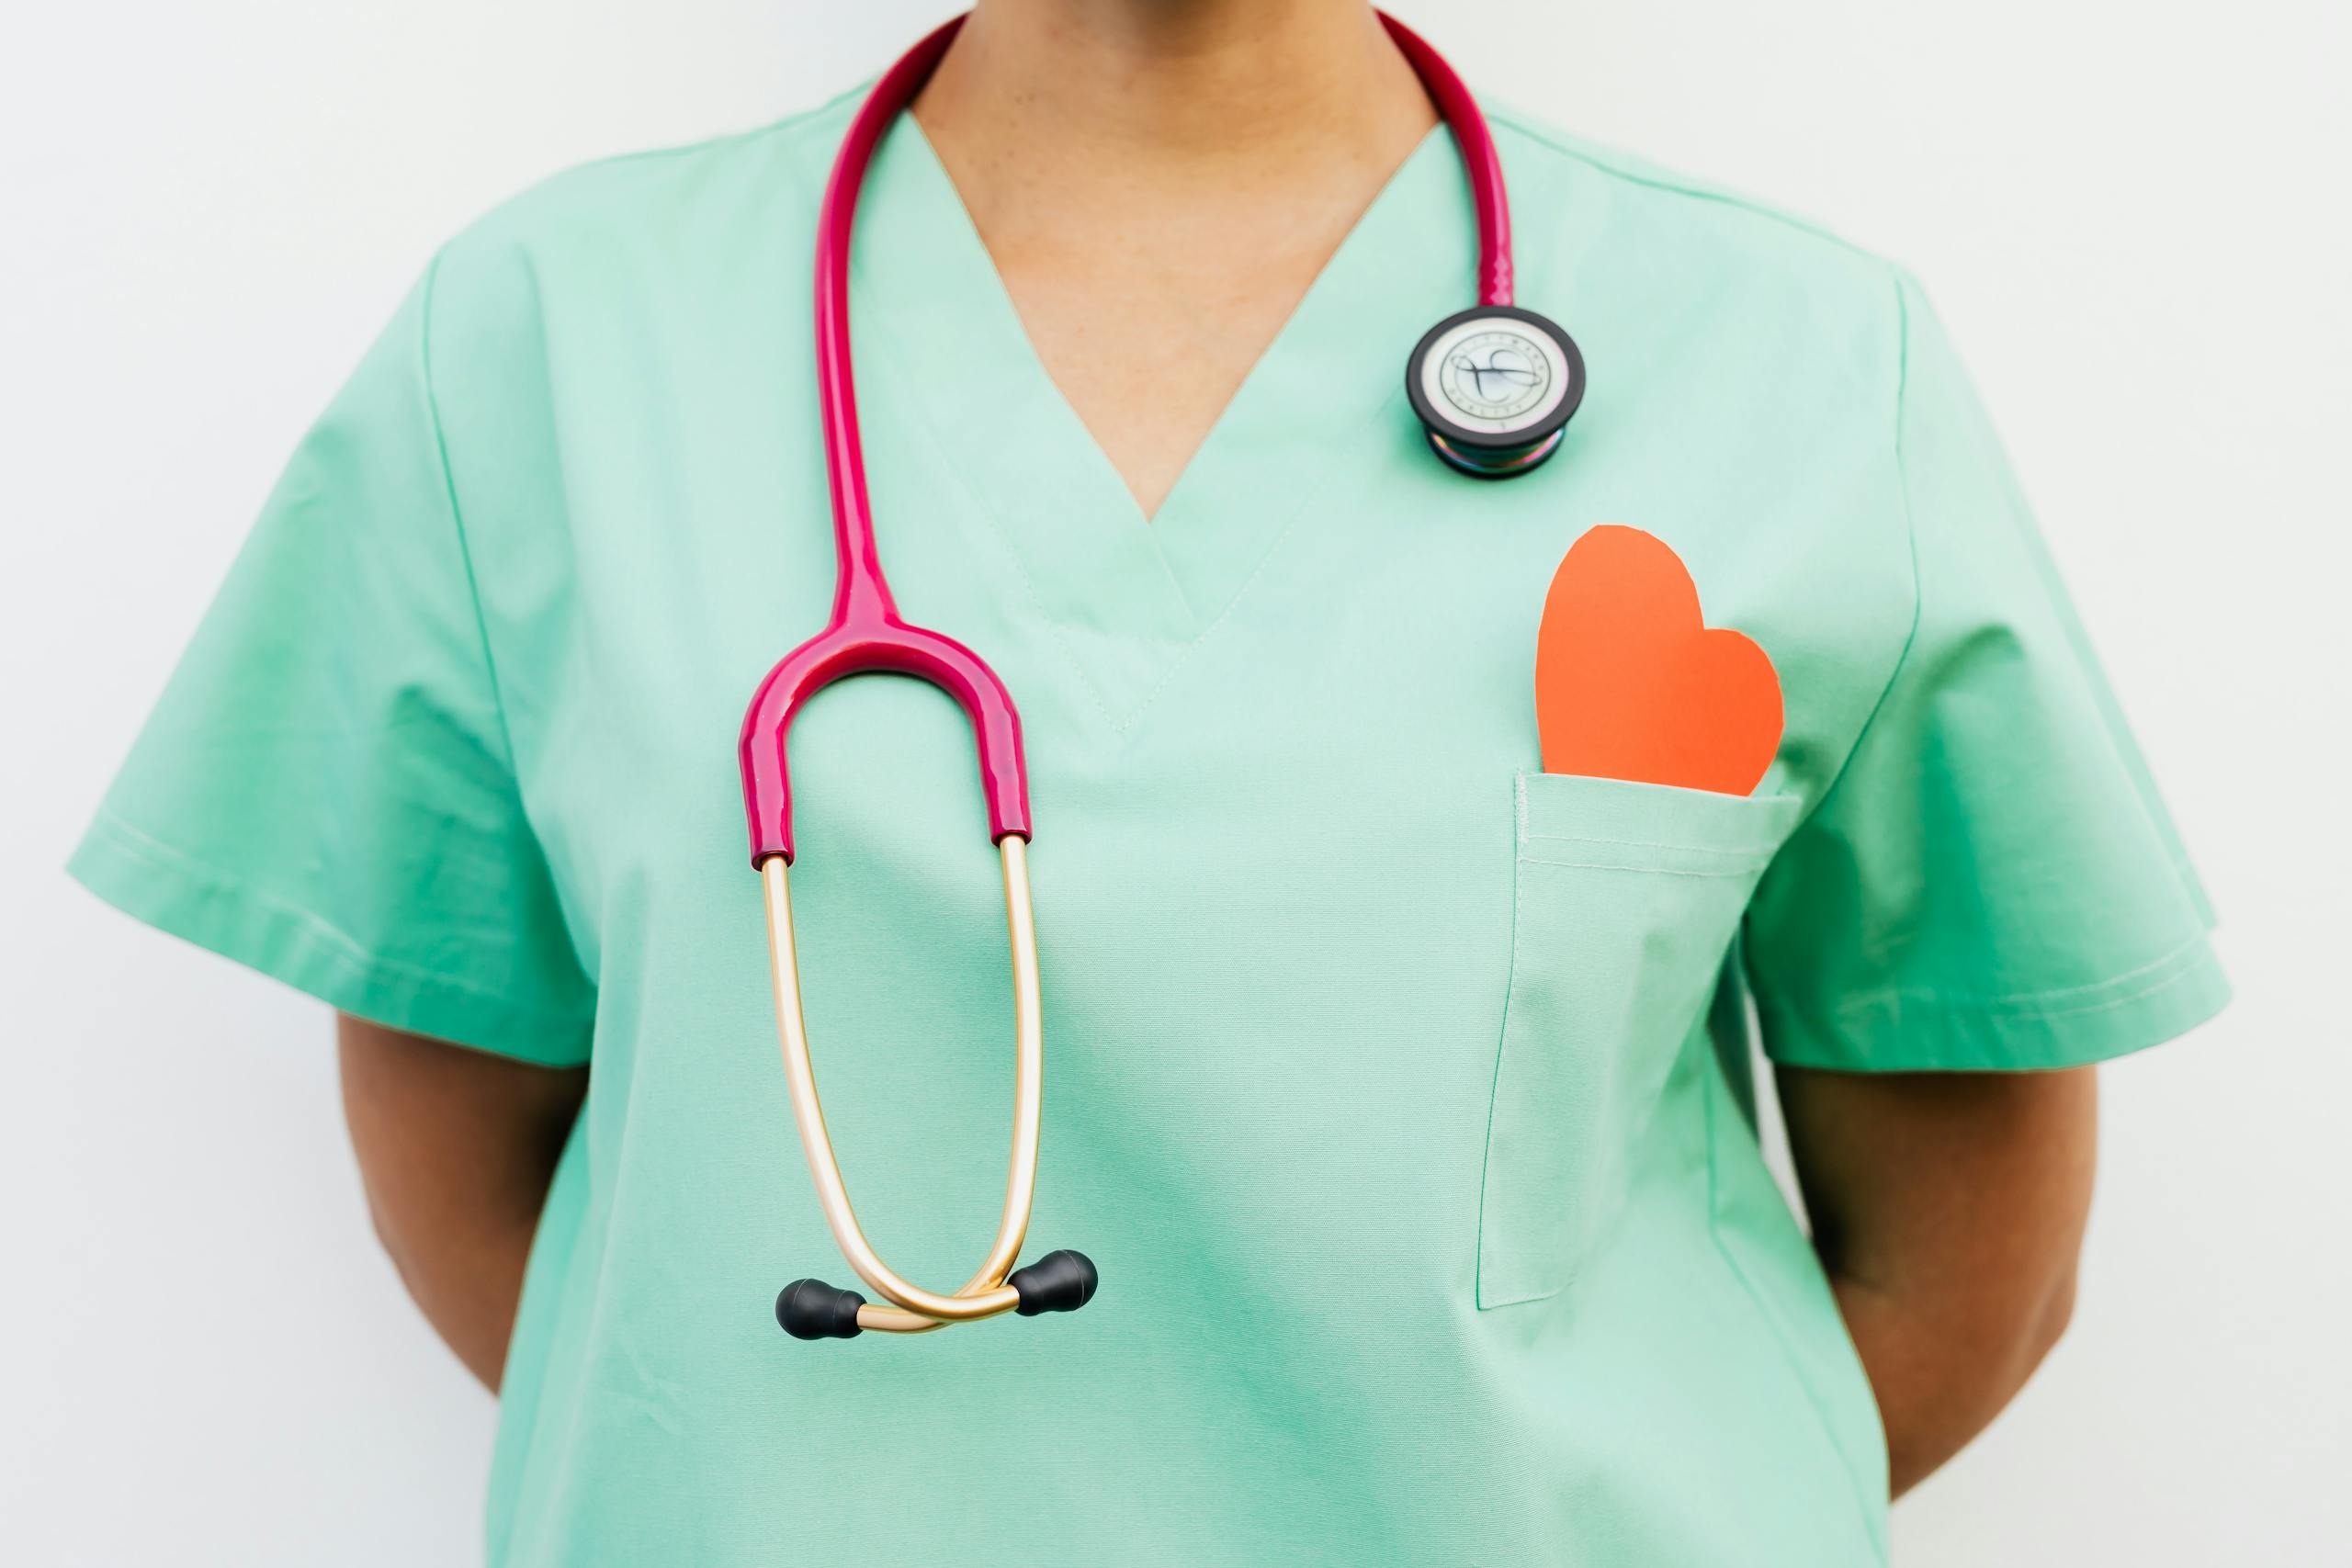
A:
810	1309
1059	1281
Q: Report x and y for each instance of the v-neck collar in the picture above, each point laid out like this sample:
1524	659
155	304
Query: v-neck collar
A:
1128	595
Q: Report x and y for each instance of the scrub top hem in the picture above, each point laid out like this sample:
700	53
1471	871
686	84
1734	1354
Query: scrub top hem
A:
163	887
1922	1032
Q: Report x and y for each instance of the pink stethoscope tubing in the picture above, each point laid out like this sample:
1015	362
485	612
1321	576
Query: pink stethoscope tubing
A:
865	634
1480	162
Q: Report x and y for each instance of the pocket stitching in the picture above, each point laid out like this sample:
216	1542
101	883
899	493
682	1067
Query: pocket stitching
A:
1753	858
1643	869
1495	1084
1643	844
1703	823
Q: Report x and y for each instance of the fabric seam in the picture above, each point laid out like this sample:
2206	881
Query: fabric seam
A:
786	125
513	763
362	960
1911	541
1273	547
1545	136
943	459
1826	1426
458	519
1494	1084
2176	964
1647	844
1716	873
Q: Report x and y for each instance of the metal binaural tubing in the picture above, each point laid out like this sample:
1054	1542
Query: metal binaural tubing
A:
985	1294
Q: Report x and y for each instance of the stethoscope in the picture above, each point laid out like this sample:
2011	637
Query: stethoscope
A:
1494	385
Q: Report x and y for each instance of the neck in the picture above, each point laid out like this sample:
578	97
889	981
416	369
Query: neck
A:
1173	93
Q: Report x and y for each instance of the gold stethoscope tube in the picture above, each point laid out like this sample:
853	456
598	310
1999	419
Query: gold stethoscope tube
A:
985	1294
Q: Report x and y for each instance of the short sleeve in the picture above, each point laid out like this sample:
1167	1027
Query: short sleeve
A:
324	791
1992	882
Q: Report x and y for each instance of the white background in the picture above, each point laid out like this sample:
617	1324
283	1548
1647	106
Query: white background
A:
2132	218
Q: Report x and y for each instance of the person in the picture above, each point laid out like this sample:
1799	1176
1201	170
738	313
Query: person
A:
1399	1087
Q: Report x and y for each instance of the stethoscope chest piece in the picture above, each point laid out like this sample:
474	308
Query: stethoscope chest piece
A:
1495	387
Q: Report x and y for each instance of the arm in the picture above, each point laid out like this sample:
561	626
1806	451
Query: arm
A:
456	1149
1947	1209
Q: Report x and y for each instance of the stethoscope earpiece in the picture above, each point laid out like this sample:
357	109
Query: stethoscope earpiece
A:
810	1309
1063	1281
1059	1281
1495	387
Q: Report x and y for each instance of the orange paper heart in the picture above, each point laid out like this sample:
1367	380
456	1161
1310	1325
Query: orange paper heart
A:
1631	683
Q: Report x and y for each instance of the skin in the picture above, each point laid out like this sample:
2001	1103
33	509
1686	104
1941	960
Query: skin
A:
456	1149
1159	182
1948	1210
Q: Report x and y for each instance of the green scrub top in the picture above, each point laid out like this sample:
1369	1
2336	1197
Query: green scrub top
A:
1399	1088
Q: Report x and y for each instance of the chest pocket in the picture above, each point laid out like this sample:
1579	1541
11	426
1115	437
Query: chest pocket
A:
1627	897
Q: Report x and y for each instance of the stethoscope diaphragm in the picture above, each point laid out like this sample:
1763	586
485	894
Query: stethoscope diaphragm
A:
1495	387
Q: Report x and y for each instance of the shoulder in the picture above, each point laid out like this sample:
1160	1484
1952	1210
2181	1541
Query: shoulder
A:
611	227
1692	233
551	306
